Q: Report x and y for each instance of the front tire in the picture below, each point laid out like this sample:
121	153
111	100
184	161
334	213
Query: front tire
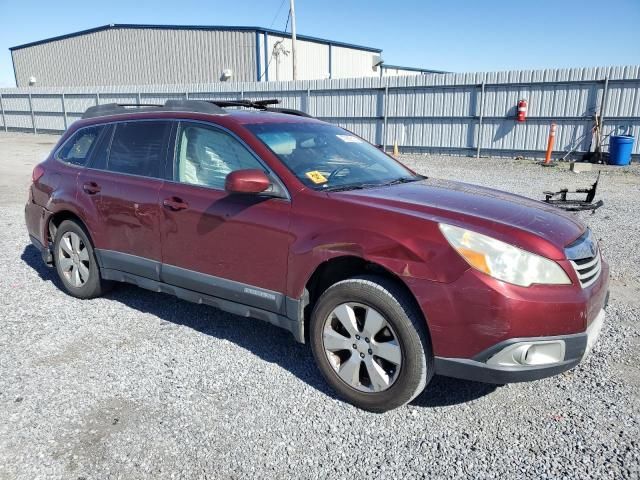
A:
76	262
369	341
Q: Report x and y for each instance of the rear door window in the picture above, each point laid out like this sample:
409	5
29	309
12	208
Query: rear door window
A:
77	149
139	148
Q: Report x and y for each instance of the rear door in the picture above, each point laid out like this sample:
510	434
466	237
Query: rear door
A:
225	245
119	193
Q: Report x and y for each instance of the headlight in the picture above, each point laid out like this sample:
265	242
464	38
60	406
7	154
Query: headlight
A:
503	261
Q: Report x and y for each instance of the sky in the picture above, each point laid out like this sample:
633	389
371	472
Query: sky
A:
452	35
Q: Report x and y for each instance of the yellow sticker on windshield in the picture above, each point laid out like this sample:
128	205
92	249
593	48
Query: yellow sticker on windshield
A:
316	177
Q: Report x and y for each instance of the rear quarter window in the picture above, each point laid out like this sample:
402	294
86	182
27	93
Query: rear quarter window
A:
78	148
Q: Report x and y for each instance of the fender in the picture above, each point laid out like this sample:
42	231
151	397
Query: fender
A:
49	214
403	258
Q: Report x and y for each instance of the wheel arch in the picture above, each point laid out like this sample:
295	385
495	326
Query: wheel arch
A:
57	218
343	267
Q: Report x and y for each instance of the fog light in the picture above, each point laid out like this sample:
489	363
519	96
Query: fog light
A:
529	353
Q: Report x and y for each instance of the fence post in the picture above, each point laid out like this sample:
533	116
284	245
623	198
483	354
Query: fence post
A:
603	106
480	117
4	119
139	97
64	111
308	106
603	101
242	94
97	99
385	101
33	117
186	95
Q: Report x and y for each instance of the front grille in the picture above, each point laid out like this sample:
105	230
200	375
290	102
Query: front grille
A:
588	269
585	258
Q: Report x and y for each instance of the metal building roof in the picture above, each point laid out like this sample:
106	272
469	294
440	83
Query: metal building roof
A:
411	69
195	27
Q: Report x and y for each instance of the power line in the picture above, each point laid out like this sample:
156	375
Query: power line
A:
287	24
274	46
277	13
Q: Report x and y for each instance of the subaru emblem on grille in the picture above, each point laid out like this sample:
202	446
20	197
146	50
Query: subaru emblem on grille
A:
584	247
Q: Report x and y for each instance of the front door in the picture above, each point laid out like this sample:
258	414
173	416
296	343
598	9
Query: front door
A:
120	191
226	245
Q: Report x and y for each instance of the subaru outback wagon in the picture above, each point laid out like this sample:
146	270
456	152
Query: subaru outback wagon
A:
391	276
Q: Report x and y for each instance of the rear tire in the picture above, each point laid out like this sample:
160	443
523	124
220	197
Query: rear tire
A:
76	263
370	343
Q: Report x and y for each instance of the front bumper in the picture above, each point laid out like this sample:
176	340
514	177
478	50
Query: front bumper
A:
481	368
475	312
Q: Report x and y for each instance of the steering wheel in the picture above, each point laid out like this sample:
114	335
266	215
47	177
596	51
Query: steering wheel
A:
336	171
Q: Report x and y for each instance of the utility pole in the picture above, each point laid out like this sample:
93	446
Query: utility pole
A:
292	11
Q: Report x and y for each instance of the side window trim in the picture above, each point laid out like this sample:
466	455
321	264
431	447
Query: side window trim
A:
172	147
173	177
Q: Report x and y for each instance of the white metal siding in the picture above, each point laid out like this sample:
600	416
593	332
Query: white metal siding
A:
394	72
313	60
348	63
138	56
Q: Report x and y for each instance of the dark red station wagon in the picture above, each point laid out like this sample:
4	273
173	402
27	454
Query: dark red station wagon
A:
264	212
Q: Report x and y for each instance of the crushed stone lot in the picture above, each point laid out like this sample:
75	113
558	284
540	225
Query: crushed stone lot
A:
142	385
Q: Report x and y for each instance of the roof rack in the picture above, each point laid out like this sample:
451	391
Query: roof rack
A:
263	105
215	107
258	104
197	106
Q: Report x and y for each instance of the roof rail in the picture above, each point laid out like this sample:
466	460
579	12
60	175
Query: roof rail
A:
196	106
290	111
215	107
260	105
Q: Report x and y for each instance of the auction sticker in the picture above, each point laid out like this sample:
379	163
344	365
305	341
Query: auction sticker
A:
316	177
349	138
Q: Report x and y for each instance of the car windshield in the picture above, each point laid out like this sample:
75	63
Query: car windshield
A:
328	158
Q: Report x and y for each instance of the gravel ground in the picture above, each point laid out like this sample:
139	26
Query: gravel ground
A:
142	385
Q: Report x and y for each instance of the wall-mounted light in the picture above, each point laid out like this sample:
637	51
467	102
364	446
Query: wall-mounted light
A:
227	73
32	81
376	61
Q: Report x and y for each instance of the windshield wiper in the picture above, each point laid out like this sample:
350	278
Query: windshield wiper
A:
362	186
403	180
342	188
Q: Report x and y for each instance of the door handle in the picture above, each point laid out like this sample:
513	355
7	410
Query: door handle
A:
175	204
91	188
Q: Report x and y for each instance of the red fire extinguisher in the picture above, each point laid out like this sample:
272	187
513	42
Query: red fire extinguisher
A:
522	111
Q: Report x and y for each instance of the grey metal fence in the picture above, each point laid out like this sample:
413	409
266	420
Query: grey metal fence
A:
466	113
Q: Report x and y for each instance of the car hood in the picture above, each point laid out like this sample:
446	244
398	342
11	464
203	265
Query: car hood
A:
493	212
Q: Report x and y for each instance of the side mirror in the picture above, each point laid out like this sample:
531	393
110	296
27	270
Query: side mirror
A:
247	181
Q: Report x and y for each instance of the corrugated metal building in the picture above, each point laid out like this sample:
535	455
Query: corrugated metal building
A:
173	54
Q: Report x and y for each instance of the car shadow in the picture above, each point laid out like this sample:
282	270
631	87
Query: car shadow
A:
445	391
250	334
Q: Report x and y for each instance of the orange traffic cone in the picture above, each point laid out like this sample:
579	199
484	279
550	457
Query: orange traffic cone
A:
550	142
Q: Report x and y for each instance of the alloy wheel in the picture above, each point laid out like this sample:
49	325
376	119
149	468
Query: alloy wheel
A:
362	347
74	259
